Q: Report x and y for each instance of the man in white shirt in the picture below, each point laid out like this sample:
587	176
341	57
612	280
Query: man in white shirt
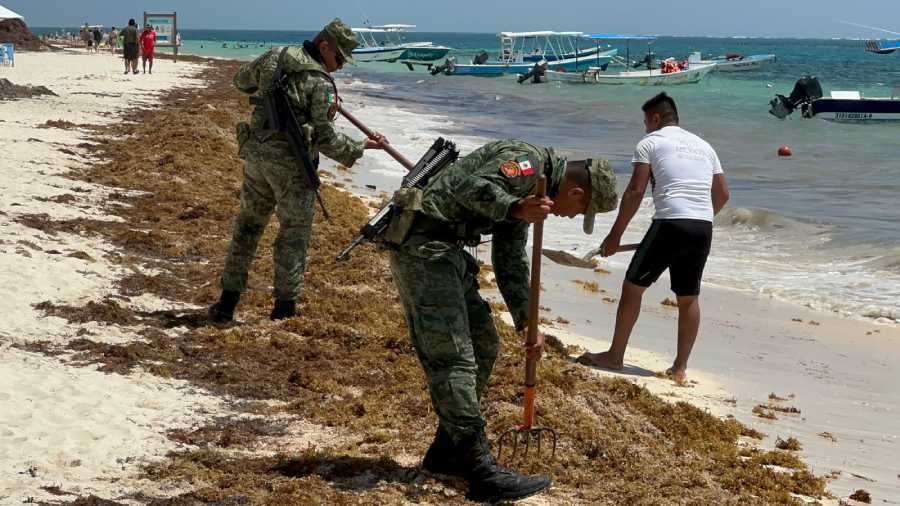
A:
689	189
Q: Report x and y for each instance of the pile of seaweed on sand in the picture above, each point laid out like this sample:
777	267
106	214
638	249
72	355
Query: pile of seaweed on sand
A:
17	32
332	404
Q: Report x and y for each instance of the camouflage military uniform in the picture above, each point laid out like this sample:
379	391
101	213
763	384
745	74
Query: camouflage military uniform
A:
272	177
450	324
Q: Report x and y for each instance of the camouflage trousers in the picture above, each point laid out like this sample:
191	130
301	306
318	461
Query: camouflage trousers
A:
270	186
450	326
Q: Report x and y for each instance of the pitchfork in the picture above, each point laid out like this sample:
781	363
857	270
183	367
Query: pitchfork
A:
527	431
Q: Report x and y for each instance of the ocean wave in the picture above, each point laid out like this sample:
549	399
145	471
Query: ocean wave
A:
765	220
740	216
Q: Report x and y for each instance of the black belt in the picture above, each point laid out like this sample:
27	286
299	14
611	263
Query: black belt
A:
443	231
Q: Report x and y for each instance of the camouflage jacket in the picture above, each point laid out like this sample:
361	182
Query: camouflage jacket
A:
311	94
474	196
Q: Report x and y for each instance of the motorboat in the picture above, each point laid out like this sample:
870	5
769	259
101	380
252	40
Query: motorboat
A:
693	73
839	106
882	46
734	62
392	47
647	72
521	51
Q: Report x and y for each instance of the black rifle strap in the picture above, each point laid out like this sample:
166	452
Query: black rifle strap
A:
279	80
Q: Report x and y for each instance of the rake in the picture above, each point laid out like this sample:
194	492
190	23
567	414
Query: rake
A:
527	432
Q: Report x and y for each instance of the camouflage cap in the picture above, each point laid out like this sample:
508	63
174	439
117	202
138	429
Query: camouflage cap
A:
343	38
603	191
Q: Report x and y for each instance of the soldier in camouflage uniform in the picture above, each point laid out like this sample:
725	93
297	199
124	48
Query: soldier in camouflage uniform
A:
272	179
490	191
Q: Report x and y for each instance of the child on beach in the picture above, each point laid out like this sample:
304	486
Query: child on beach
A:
689	189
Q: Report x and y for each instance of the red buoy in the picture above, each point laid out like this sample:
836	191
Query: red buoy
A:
784	151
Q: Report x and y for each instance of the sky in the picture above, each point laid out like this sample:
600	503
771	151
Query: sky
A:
717	18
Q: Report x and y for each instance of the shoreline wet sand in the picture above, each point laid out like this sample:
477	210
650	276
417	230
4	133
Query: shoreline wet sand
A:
331	406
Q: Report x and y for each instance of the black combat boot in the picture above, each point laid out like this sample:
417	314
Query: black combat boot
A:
223	311
491	482
442	456
283	309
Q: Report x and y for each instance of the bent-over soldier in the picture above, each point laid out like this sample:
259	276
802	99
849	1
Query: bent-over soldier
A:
272	179
490	191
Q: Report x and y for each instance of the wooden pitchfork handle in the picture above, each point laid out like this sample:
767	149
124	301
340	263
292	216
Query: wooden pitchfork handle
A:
534	310
370	134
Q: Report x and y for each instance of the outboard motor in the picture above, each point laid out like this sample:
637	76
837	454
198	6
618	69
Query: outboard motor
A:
481	58
805	91
648	61
537	74
446	68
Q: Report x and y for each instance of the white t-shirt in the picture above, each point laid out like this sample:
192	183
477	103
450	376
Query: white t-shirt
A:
682	167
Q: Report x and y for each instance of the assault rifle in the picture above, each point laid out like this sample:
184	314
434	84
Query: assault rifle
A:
441	154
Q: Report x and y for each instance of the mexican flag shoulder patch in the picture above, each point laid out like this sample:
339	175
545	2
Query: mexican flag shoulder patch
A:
525	167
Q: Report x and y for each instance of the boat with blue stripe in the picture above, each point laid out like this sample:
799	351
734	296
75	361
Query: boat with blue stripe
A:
394	47
521	51
882	46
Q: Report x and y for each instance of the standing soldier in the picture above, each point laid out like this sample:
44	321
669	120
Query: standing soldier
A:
490	191
272	179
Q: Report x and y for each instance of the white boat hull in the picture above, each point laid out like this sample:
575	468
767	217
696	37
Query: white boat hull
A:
655	77
367	55
748	64
861	110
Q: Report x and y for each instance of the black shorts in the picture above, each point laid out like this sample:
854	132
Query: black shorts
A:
681	246
131	51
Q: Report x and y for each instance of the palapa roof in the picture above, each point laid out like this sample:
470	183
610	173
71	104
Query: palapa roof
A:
8	14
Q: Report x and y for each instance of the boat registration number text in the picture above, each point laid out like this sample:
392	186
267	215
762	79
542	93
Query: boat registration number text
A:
853	115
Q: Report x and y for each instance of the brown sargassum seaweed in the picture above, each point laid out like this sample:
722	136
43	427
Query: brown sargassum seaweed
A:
345	362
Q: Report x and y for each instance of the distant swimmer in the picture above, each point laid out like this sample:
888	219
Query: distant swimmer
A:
689	189
273	181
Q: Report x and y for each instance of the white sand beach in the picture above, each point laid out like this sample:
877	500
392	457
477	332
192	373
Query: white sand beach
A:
73	427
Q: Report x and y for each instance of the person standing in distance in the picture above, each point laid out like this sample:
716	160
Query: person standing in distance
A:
113	40
689	189
148	46
130	46
272	179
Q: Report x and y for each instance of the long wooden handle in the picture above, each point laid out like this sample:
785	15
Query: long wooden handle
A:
535	293
370	134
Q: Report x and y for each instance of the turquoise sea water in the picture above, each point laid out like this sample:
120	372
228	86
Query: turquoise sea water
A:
821	228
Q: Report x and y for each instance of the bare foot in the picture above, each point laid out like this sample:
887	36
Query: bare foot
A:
679	376
604	360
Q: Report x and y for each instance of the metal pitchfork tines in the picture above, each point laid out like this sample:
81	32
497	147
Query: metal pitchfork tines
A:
527	432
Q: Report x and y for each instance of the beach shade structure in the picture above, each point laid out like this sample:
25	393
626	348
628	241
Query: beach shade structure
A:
8	14
524	434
